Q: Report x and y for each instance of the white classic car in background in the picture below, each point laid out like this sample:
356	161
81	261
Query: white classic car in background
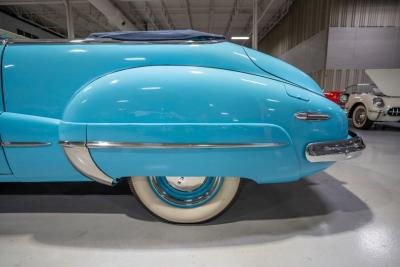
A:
375	102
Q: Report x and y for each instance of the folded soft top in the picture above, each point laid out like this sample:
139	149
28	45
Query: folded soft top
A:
189	35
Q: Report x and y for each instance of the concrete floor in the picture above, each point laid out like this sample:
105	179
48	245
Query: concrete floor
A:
348	215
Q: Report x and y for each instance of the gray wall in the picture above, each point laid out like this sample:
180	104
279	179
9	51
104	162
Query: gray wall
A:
12	24
304	19
363	48
362	34
308	55
338	79
351	50
364	13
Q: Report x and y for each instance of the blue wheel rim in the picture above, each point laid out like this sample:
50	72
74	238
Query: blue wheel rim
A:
185	199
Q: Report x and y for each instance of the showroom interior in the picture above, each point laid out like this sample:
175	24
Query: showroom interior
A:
341	214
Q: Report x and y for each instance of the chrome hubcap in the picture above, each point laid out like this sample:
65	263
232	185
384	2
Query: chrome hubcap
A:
185	184
185	191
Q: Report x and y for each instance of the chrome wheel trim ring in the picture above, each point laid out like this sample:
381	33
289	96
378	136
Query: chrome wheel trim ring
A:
186	203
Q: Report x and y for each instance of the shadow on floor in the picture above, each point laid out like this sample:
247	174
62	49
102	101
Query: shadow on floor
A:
92	215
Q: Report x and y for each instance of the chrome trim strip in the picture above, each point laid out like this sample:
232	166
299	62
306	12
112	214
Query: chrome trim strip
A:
101	144
25	144
81	159
79	155
335	150
311	116
106	41
104	144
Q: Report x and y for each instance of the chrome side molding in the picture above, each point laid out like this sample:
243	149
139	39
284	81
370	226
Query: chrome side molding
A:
312	116
79	156
106	41
24	144
102	144
105	144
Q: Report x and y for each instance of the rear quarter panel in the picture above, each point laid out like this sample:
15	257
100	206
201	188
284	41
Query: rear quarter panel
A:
175	104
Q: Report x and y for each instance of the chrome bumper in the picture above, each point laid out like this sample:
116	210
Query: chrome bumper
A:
335	150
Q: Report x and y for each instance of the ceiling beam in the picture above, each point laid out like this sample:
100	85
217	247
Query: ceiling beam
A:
93	21
136	15
150	16
235	12
167	16
40	2
278	16
61	19
265	10
54	27
70	19
189	14
210	15
259	19
113	15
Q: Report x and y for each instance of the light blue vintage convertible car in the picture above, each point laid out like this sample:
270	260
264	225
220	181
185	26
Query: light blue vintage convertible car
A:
180	114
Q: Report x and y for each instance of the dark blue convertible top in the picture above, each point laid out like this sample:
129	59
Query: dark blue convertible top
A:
187	35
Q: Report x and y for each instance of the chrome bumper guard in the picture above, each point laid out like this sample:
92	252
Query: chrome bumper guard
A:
335	150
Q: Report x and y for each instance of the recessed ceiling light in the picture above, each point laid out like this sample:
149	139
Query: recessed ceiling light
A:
240	38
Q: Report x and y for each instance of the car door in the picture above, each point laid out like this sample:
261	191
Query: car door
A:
4	169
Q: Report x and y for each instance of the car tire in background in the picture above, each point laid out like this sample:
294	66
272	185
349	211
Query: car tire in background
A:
185	199
359	118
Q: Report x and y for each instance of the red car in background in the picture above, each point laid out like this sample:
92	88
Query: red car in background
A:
337	96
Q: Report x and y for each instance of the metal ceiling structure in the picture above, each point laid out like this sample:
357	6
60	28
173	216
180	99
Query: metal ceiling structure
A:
78	18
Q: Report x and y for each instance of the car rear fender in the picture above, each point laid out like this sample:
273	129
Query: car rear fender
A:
191	121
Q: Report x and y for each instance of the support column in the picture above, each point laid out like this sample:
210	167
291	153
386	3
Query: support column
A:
254	36
113	15
70	19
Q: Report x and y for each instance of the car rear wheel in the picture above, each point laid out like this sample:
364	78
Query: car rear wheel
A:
360	118
183	199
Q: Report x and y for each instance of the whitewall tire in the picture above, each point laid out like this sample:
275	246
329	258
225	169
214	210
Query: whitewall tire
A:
360	118
185	199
